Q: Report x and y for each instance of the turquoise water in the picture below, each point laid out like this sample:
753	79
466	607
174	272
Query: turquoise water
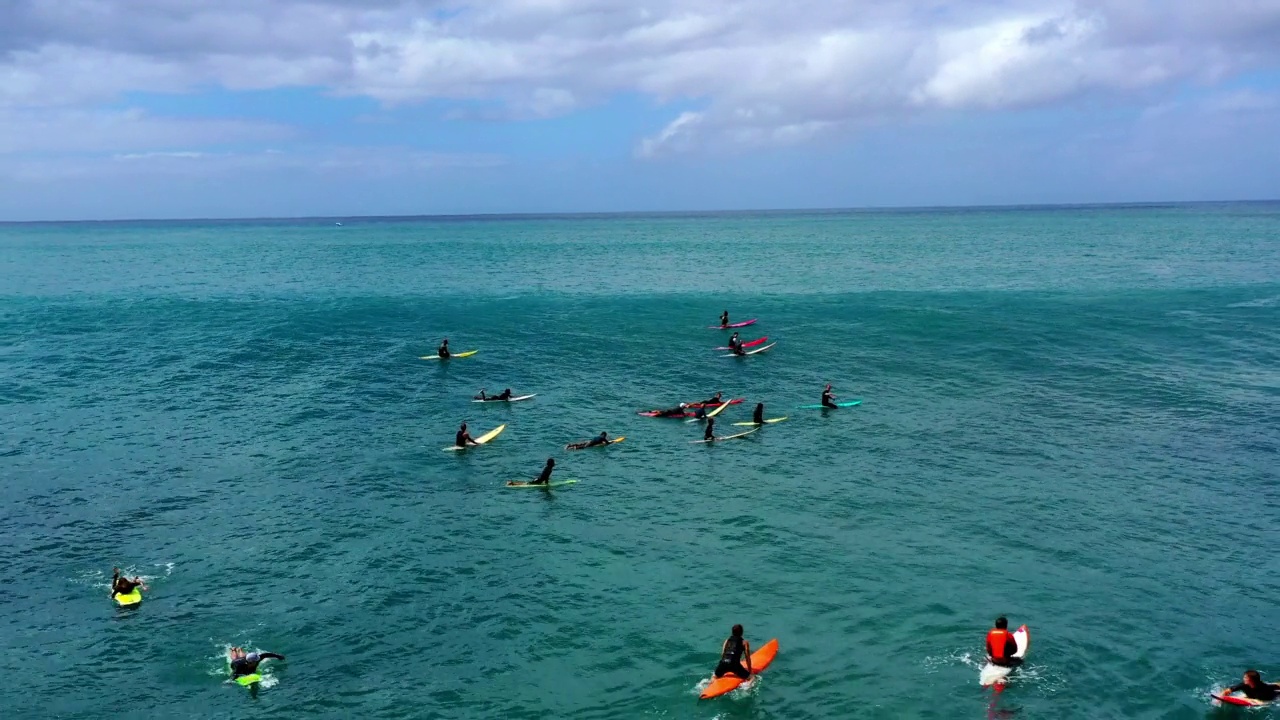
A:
1071	416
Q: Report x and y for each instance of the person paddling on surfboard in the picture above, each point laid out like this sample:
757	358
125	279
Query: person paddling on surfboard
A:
713	400
1001	646
678	411
724	319
1254	689
121	585
601	439
732	653
481	396
827	397
443	350
463	438
758	416
243	663
543	479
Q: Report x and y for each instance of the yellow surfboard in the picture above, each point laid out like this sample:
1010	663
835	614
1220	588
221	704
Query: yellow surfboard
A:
480	440
468	353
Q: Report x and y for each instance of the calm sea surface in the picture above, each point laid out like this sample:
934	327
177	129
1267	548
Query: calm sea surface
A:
1070	416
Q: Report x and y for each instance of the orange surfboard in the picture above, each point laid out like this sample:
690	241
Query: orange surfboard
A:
760	660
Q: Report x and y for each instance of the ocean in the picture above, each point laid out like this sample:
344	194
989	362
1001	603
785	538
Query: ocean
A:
1070	416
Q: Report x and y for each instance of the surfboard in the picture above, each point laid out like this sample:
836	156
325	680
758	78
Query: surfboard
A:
752	343
480	440
129	600
718	410
468	353
769	421
820	406
527	484
514	399
611	442
760	660
757	351
726	437
744	323
992	674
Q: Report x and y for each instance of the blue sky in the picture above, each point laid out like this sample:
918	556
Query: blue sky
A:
233	108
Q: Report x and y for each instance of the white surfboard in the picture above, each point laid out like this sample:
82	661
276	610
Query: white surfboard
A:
992	674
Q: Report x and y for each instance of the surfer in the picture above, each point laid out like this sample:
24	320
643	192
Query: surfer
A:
710	433
121	585
678	411
504	395
724	319
243	663
735	345
735	649
1254	689
758	416
1001	646
543	479
481	396
601	439
713	400
827	401
443	350
463	437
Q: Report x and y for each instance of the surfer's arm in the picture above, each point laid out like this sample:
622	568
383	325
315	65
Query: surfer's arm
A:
746	652
270	656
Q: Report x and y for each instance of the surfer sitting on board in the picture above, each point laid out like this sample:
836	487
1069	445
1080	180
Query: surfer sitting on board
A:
463	437
724	319
243	663
735	345
443	350
678	411
827	400
1001	646
1254	689
735	649
121	585
601	439
710	433
758	416
543	479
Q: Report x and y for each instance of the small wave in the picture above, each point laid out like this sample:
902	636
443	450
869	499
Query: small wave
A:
1260	302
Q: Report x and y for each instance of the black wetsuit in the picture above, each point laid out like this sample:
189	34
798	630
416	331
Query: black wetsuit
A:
736	348
597	440
758	417
710	434
673	412
443	351
545	477
731	659
1266	692
724	319
826	399
245	666
460	440
122	585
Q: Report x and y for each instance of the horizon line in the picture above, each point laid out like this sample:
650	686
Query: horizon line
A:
499	216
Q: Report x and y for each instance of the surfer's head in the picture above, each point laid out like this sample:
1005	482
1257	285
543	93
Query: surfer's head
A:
551	462
1002	623
464	426
1252	678
737	631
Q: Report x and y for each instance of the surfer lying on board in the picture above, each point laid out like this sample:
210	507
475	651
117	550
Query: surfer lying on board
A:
543	479
1001	646
713	400
678	411
504	395
735	649
1254	689
243	663
758	416
463	437
443	350
724	319
827	397
601	439
121	585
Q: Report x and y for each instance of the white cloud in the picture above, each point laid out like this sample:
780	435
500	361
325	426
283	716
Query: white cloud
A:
758	71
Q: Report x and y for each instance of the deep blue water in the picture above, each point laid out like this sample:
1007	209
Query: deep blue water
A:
1071	416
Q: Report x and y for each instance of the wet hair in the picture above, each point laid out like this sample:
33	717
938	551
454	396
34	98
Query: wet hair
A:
737	631
1253	676
1002	623
551	461
464	426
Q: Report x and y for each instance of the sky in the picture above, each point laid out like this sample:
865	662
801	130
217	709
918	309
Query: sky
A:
114	109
